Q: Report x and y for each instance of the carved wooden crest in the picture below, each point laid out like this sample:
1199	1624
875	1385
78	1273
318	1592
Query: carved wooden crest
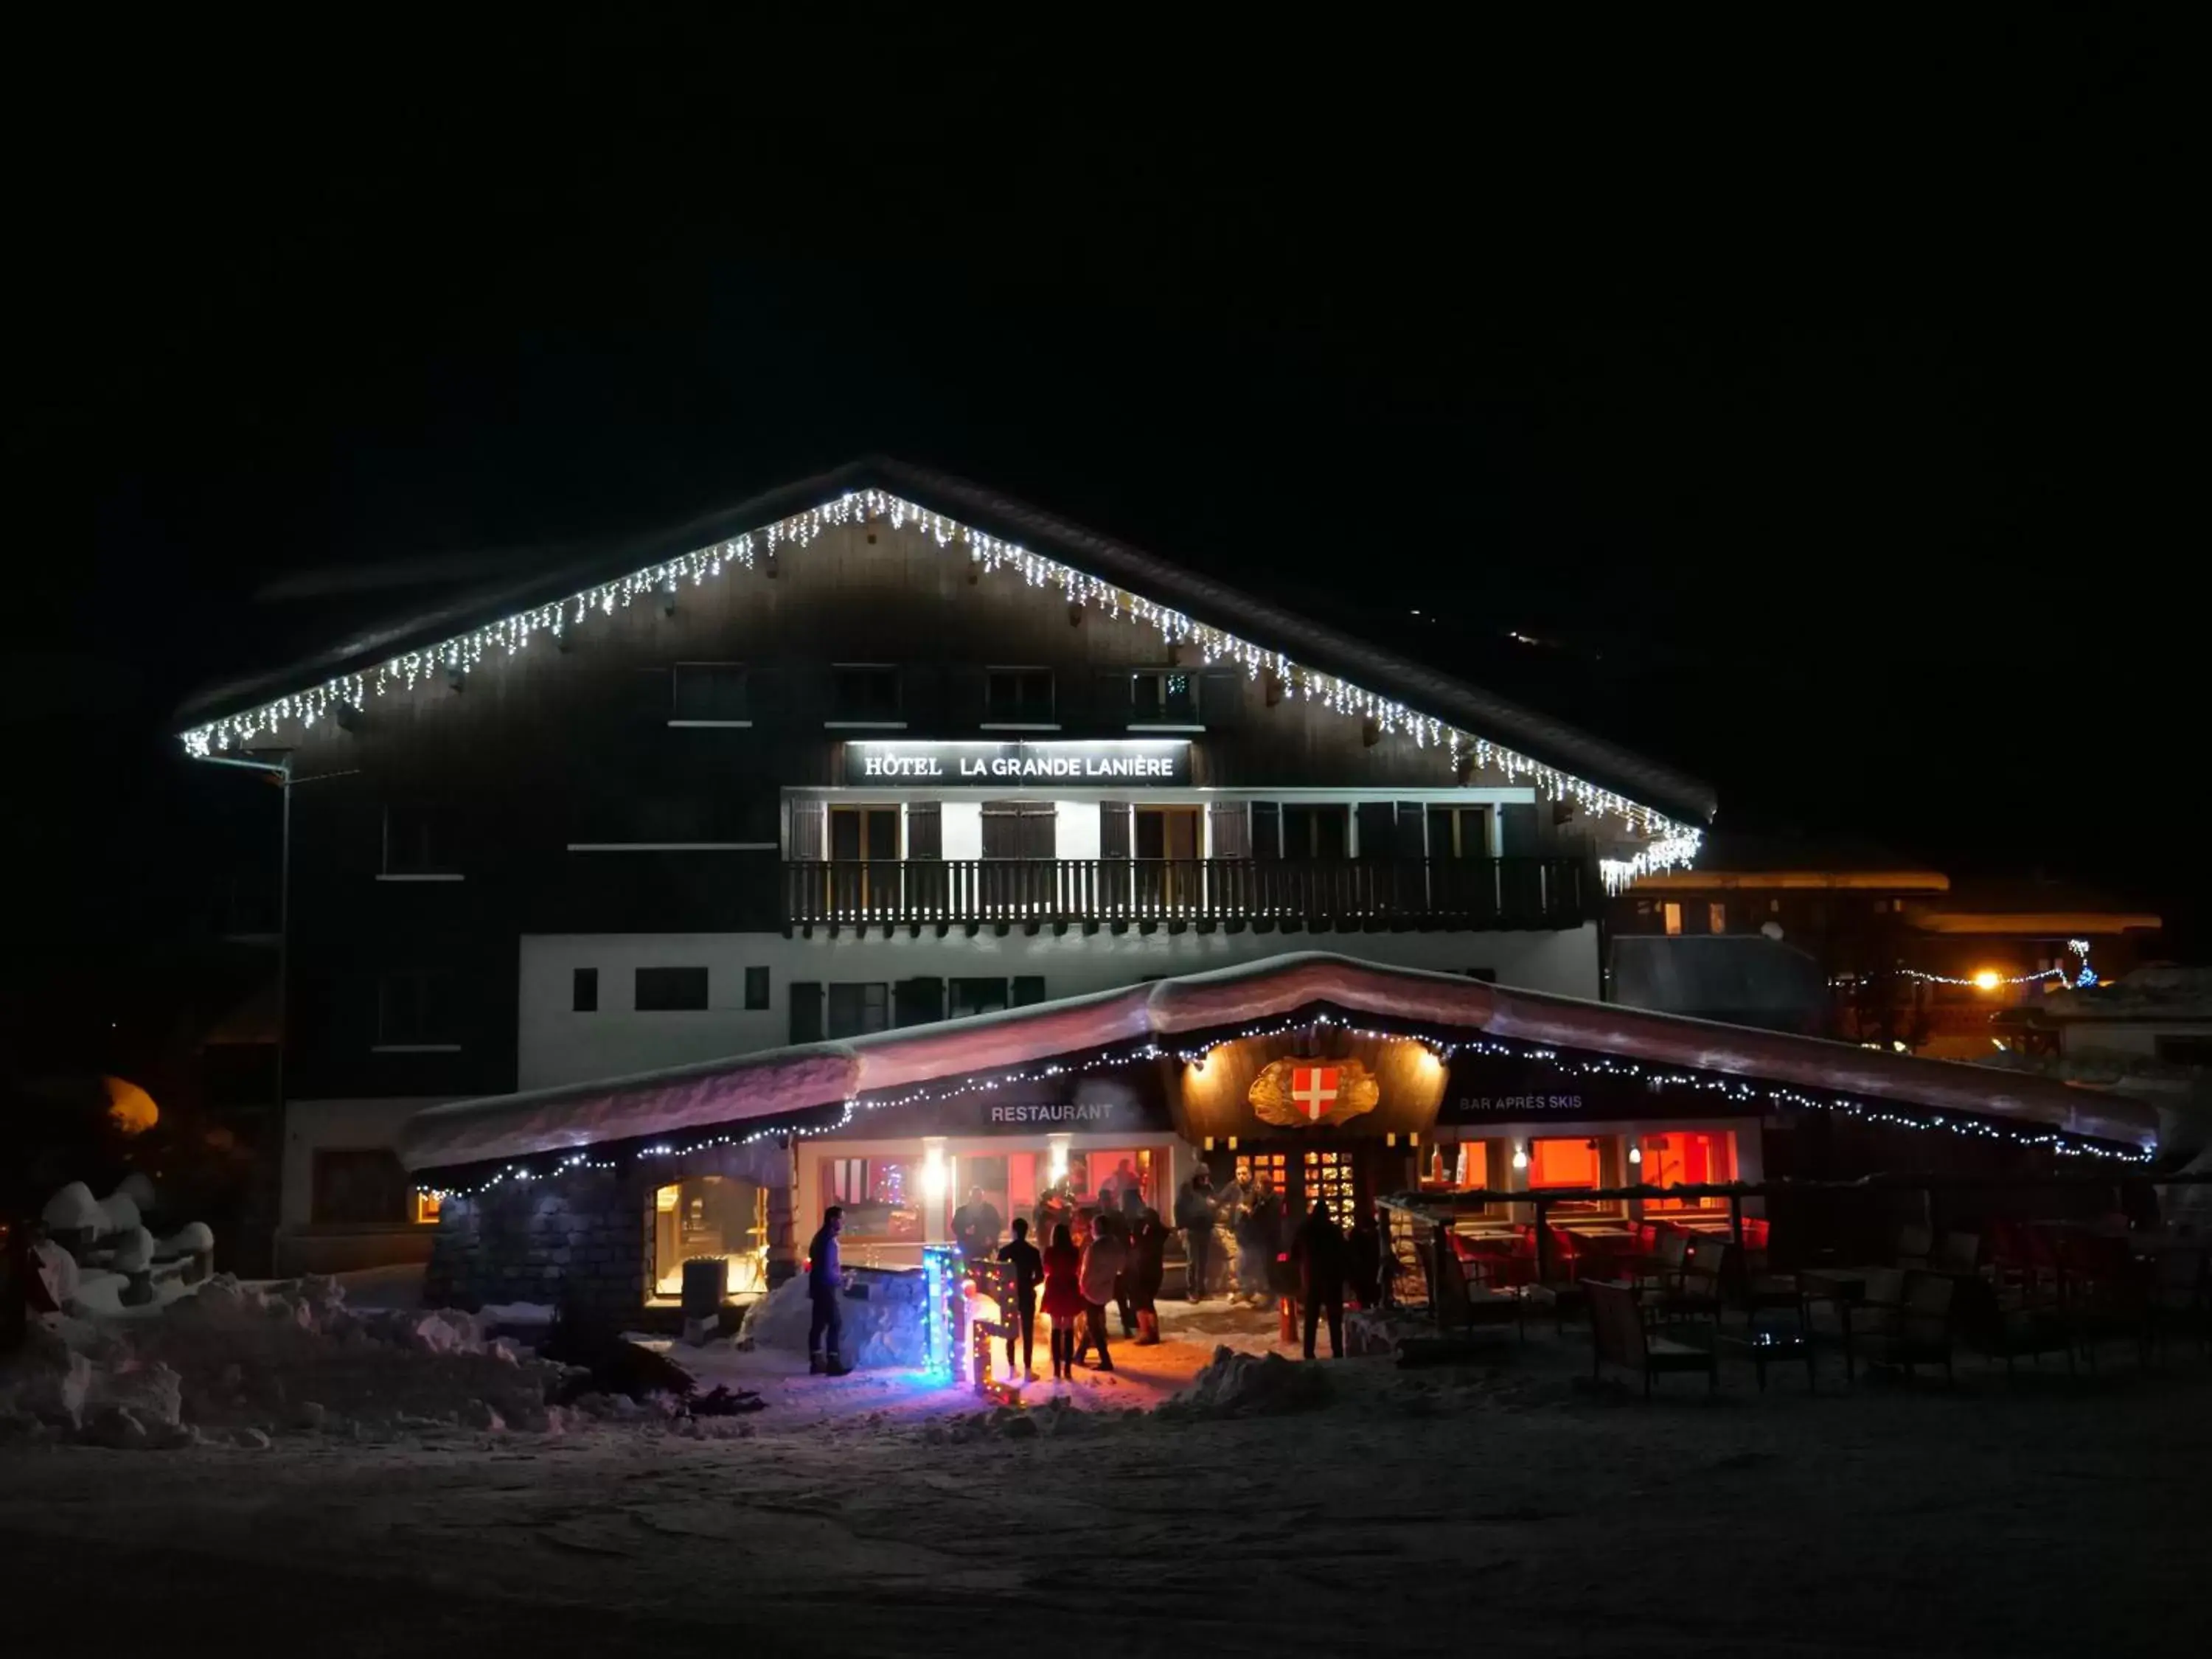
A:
1313	1094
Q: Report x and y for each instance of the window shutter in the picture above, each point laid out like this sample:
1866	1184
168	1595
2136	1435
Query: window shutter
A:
806	1011
1113	829
806	828
1378	829
1516	830
1229	830
918	1001
1267	829
1413	839
1002	829
1040	831
925	831
1221	697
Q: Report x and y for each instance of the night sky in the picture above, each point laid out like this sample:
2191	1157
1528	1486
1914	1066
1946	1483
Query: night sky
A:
1823	435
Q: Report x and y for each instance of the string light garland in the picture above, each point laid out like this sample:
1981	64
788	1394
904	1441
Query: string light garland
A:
2085	978
1733	1089
1668	843
950	1286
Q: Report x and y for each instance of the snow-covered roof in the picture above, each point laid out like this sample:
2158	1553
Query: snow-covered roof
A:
780	1081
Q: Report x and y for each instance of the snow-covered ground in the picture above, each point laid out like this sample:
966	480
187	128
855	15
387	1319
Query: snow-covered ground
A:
1507	1504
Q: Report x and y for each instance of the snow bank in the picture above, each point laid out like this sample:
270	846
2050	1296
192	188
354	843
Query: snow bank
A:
883	1330
72	1210
240	1360
118	1213
1250	1385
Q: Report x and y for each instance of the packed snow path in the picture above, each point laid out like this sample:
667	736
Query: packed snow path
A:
1514	1507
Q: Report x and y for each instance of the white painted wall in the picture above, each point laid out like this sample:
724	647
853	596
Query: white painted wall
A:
962	825
556	1045
311	1125
1075	830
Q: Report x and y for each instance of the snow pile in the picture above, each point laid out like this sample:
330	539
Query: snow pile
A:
1055	1417
1250	1385
241	1357
883	1330
72	1210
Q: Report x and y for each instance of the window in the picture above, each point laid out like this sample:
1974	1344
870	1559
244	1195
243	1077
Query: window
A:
864	691
806	1011
711	1216
583	991
415	1008
975	996
1019	829
1028	988
1315	831
755	987
1562	1164
359	1187
1674	915
1459	832
713	692
1717	917
881	1197
418	840
1163	697
427	1207
857	1009
670	990
1021	696
1695	1157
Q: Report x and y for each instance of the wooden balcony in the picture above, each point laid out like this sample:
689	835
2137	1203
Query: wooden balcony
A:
1291	895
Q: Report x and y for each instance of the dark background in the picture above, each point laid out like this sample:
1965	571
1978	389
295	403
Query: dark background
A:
1810	406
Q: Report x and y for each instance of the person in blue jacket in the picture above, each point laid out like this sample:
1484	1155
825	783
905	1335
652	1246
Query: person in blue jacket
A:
825	1285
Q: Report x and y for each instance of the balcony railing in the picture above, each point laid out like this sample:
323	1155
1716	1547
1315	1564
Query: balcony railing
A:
1455	894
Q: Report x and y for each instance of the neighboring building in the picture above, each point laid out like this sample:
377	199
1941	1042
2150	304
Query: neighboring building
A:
1848	944
877	750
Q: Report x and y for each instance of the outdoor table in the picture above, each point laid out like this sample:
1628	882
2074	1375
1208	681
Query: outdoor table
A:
1485	1307
1845	1287
1561	1299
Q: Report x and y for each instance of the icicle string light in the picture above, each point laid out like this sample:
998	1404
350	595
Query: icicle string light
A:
1658	1080
1669	843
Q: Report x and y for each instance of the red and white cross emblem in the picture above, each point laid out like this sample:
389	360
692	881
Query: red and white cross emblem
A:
1314	1089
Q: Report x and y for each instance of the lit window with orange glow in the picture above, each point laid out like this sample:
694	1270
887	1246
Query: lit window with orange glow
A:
427	1206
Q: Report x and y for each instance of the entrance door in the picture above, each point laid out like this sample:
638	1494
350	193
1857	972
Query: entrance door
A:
1167	842
863	849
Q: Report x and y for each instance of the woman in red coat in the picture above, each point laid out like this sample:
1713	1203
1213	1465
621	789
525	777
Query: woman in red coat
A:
1063	1299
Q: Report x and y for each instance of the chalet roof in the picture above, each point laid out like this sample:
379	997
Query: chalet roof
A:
1311	644
768	1085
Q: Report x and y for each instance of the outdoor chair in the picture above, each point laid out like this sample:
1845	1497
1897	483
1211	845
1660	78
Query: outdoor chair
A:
1618	1338
1913	1244
1701	1289
1959	1253
1914	1331
2181	1297
1660	1267
2106	1290
2006	1321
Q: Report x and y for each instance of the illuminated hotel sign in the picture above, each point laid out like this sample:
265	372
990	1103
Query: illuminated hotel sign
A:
1139	763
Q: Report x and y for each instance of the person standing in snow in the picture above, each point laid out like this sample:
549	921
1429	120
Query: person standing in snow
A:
1148	1242
1321	1257
1194	1213
1028	1272
1104	1259
825	1284
1063	1299
1258	1240
976	1226
1055	1206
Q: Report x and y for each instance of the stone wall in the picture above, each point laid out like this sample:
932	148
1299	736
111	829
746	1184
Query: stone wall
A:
585	1239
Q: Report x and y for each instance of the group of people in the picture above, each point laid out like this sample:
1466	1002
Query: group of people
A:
1121	1266
1122	1262
1313	1259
